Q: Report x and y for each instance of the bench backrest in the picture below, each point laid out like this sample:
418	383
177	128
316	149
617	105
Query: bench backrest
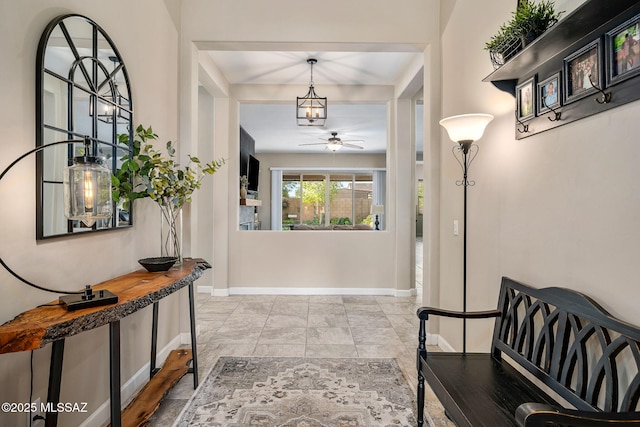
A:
570	343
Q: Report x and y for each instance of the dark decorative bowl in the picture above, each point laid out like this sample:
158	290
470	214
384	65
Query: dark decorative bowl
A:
162	263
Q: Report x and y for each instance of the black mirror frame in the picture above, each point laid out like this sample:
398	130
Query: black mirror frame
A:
94	98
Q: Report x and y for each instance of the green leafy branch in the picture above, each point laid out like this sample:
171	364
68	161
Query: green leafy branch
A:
146	172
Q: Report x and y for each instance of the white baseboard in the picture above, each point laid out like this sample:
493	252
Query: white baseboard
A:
432	339
209	290
221	292
444	345
310	291
185	337
129	389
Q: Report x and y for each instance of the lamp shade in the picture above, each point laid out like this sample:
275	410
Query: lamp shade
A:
87	190
377	209
466	127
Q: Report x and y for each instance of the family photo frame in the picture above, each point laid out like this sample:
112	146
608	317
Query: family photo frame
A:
525	99
582	71
623	51
549	94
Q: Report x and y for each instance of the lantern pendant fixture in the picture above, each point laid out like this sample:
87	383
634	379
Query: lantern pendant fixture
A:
112	102
311	109
87	188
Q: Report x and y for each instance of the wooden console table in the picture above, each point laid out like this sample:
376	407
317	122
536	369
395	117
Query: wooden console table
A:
46	324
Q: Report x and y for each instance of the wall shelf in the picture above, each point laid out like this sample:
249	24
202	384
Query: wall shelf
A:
250	202
545	55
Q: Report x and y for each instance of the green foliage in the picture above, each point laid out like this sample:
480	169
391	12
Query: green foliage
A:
368	220
314	192
148	173
528	22
341	221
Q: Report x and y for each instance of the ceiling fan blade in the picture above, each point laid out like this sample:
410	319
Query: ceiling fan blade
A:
352	146
314	143
359	141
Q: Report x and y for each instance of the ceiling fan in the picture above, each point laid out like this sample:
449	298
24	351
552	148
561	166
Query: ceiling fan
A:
334	143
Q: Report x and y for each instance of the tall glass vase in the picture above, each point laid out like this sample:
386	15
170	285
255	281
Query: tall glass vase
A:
171	231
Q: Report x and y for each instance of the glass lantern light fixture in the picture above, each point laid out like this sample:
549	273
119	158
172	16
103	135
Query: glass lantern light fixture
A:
311	110
87	189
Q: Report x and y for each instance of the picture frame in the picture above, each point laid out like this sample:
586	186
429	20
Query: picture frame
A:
549	93
623	51
582	71
526	99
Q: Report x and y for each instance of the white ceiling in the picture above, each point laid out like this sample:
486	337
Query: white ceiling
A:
340	68
274	127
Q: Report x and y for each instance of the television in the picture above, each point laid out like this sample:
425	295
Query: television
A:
253	172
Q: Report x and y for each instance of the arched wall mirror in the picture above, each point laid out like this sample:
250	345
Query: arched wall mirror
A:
82	89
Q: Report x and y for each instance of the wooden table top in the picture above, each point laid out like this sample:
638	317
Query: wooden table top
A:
37	327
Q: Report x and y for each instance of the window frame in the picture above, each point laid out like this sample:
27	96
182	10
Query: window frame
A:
277	199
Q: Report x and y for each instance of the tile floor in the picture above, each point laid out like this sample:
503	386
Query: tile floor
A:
309	326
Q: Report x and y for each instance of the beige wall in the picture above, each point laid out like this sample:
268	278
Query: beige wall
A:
147	40
556	209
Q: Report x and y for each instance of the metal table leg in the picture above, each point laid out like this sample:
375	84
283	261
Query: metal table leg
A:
55	379
154	341
114	378
194	351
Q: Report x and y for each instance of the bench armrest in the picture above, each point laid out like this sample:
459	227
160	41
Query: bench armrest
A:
424	312
540	415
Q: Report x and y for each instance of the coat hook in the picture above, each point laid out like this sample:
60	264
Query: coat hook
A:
606	96
525	127
558	114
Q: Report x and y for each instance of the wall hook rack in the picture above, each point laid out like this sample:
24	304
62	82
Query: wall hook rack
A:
557	114
525	127
606	96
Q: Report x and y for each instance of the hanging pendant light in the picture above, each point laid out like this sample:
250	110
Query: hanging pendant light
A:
87	189
115	102
311	109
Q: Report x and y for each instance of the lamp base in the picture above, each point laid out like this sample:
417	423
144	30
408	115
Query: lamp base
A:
88	299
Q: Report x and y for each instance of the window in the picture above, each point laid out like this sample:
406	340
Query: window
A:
420	197
325	198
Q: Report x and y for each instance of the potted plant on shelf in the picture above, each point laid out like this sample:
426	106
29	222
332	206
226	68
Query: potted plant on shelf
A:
244	182
149	173
528	22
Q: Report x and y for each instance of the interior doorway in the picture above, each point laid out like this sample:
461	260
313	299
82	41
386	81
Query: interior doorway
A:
419	190
419	222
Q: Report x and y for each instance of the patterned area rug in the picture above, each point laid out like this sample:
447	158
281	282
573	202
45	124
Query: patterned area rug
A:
299	392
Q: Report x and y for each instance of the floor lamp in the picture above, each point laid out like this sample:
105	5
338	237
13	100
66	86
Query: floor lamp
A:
465	130
87	198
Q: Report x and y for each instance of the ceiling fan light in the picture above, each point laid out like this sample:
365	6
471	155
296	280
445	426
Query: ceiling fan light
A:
334	146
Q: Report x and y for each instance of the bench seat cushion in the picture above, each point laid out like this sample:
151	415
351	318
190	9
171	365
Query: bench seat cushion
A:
478	390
